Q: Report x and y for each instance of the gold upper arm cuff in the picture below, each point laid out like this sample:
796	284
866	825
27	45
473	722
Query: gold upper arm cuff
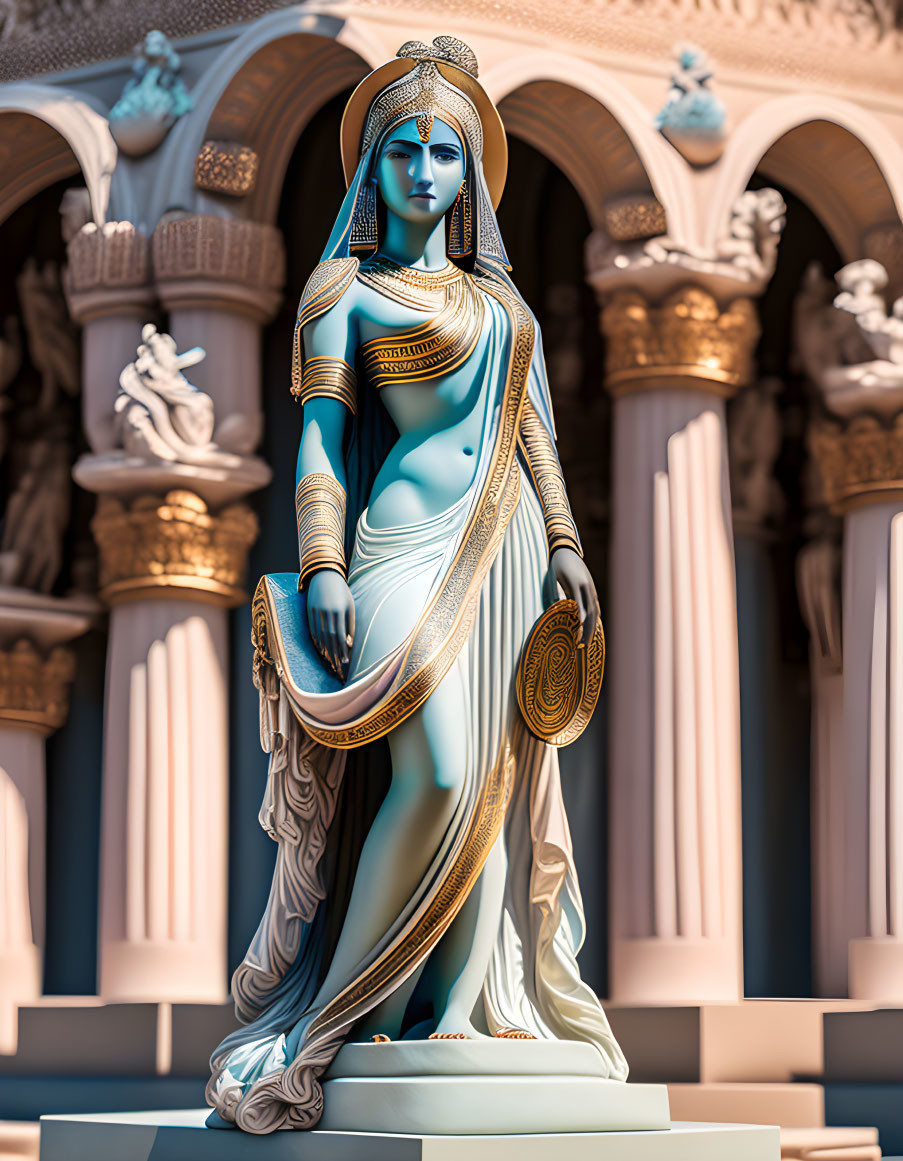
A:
324	377
324	288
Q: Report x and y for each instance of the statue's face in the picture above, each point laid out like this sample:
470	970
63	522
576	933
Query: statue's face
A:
418	181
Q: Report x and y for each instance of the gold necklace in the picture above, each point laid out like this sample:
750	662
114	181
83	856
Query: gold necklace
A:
425	290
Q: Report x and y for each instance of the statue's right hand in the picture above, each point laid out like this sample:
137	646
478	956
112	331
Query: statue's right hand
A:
330	617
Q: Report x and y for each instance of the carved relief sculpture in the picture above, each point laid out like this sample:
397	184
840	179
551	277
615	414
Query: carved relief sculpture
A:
37	512
152	100
693	118
425	887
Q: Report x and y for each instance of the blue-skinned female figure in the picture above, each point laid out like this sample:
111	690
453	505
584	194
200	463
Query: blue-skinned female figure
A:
433	525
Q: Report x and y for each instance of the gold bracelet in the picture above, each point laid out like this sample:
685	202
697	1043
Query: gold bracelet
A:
542	460
324	377
320	509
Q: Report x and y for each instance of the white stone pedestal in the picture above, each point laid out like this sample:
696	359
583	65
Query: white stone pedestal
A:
177	1135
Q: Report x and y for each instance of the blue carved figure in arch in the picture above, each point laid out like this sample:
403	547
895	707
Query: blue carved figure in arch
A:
435	539
153	99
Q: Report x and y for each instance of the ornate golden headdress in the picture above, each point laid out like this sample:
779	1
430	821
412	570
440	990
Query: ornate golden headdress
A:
424	82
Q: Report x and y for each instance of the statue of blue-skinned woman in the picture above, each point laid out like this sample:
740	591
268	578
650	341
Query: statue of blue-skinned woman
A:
434	531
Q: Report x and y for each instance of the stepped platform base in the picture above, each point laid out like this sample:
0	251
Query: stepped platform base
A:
751	1040
830	1145
176	1135
791	1106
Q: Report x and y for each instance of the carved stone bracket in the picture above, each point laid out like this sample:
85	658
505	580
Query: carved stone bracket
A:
687	341
227	168
108	271
202	261
631	218
859	462
34	687
163	546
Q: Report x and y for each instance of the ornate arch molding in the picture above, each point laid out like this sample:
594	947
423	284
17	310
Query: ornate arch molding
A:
262	91
46	134
845	165
592	128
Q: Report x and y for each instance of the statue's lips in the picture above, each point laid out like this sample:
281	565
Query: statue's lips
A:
425	197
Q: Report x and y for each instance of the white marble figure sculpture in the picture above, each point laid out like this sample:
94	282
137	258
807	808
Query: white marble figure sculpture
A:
159	413
755	433
849	343
745	256
31	547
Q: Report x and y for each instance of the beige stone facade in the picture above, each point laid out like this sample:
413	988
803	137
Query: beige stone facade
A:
732	426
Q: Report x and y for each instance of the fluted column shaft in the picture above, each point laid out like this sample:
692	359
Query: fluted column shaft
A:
675	703
675	877
221	280
861	466
170	569
35	674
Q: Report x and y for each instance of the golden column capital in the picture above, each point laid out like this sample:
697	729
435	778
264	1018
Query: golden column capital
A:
172	546
223	263
686	341
859	462
108	271
34	686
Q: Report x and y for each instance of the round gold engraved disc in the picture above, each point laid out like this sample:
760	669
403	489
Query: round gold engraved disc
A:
558	681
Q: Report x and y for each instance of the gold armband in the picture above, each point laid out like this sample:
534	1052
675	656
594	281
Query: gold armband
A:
542	460
320	508
324	377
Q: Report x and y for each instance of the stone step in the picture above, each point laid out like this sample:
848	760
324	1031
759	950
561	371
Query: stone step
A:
868	1104
834	1144
753	1040
791	1106
174	1136
83	1036
864	1046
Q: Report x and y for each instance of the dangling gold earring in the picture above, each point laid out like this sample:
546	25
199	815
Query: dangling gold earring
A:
363	222
460	226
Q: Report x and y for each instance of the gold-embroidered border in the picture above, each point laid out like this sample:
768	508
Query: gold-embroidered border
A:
545	471
445	625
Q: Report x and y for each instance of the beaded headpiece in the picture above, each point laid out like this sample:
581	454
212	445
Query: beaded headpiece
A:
424	93
425	82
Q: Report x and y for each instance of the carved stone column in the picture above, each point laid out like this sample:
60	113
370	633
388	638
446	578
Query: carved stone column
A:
110	294
221	280
853	351
169	569
36	670
680	332
173	536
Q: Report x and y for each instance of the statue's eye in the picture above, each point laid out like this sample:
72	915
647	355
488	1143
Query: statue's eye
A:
396	155
446	157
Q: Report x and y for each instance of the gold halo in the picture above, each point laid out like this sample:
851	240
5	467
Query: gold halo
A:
495	143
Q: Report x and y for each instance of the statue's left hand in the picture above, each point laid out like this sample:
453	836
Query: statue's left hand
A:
574	577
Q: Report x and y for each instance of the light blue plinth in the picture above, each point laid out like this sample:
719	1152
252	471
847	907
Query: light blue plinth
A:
181	1136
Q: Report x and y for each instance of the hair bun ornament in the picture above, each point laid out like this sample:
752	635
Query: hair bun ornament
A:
445	48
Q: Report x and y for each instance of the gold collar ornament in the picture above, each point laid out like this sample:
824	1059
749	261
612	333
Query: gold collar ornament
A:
424	82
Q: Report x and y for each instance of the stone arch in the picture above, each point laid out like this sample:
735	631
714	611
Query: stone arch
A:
49	133
593	129
262	92
845	165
